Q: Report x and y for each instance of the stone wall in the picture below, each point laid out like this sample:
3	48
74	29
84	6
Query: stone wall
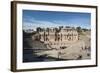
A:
57	39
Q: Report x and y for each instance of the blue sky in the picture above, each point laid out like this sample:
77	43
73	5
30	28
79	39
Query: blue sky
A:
33	19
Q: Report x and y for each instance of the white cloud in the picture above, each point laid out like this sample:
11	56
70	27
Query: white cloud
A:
33	24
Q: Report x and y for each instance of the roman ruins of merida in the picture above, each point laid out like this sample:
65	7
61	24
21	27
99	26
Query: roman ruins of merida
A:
53	38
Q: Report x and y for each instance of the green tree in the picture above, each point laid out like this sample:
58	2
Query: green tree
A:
60	27
79	30
38	29
47	29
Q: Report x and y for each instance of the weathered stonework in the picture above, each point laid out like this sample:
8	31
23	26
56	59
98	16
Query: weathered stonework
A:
57	39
